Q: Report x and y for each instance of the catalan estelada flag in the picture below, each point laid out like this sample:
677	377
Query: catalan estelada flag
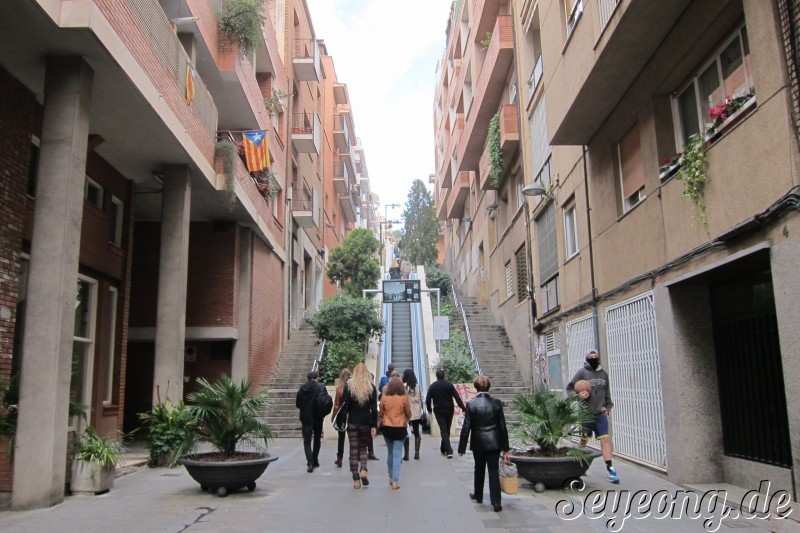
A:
189	82
256	152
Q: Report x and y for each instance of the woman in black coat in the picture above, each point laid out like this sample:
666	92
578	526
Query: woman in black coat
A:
484	418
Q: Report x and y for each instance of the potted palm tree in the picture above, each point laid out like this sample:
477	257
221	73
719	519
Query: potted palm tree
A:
227	417
547	422
95	462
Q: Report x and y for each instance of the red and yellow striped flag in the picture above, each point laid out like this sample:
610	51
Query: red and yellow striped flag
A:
256	152
189	82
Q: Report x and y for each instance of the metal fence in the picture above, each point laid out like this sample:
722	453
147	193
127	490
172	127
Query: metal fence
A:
635	376
606	9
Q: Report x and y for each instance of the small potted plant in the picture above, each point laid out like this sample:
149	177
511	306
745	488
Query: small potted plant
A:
167	425
227	417
95	461
669	165
548	419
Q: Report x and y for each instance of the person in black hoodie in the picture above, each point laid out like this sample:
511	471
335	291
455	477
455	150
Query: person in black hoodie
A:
442	393
599	403
484	418
312	424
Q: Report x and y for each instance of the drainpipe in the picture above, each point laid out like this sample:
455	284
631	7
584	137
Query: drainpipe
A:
591	251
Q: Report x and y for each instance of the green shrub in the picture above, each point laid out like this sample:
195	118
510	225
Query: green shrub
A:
92	448
347	318
167	426
456	360
341	354
438	278
243	19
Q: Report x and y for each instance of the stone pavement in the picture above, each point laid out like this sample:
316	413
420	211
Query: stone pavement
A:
433	497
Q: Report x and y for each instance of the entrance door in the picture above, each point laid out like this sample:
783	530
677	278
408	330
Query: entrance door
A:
751	392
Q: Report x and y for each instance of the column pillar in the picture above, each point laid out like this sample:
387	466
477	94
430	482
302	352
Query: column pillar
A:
41	440
172	273
241	349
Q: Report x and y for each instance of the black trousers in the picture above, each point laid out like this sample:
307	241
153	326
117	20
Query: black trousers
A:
340	444
314	429
444	420
482	461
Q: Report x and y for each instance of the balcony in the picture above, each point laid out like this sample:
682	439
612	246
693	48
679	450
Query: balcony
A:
484	179
306	134
593	74
347	202
459	194
346	156
509	130
489	91
304	210
441	204
306	60
340	95
341	178
341	133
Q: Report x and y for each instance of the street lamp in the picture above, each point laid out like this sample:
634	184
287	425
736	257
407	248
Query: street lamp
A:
386	220
531	190
388	224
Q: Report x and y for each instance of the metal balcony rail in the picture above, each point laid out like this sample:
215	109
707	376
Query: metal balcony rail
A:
302	204
304	48
303	123
607	8
536	75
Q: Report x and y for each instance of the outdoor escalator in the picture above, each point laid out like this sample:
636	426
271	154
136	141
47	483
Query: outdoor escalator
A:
402	347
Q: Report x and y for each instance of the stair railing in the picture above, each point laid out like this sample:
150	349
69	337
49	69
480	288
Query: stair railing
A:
460	305
318	361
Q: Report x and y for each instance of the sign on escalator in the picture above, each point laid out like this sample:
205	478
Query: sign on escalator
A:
401	291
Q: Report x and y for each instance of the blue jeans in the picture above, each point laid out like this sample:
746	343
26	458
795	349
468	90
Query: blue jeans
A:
394	457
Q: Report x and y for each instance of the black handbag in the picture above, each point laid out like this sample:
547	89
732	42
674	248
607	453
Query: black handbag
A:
339	421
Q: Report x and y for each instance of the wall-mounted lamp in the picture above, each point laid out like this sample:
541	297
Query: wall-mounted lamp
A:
534	189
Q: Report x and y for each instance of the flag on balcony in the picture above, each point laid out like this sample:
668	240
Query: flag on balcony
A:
190	72
256	152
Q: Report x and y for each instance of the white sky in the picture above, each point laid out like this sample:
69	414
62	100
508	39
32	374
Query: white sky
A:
386	52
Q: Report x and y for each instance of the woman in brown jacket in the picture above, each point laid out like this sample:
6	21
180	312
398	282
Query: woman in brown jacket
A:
395	413
344	375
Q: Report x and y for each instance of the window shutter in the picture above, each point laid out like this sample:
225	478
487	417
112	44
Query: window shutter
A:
548	248
522	274
631	166
541	146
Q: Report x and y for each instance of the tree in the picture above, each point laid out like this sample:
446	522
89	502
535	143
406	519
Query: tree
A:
421	228
343	318
354	263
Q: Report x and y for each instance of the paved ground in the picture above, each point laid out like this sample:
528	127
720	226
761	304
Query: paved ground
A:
433	497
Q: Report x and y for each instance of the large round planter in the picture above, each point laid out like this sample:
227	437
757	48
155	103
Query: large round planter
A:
552	472
223	477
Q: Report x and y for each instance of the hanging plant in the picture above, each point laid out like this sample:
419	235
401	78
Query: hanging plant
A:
243	19
485	42
228	151
693	173
495	153
274	102
267	183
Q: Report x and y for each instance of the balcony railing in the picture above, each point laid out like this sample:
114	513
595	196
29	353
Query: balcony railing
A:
341	178
306	132
536	75
306	60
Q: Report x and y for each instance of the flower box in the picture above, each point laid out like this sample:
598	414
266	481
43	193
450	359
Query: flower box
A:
727	114
667	171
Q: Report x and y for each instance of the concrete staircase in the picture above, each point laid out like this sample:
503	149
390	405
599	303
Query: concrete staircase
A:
494	352
296	359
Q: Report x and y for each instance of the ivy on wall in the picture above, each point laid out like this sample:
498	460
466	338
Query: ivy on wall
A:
495	153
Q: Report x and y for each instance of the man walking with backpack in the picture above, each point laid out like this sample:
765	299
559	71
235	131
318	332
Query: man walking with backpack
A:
314	403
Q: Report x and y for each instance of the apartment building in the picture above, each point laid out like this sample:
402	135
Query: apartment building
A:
138	251
688	289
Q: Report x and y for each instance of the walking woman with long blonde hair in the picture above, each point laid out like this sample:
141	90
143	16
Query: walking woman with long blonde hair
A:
361	398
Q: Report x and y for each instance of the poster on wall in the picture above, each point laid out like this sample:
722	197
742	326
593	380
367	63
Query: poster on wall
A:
401	291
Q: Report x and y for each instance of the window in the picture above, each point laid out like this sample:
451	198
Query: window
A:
33	166
93	193
83	343
522	274
548	259
570	230
108	386
631	168
553	348
117	213
573	10
728	74
509	280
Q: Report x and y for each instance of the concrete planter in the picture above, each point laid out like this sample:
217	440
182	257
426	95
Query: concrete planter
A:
551	472
223	477
91	478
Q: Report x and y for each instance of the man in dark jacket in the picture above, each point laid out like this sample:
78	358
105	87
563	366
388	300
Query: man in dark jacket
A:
442	393
312	424
484	418
599	402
